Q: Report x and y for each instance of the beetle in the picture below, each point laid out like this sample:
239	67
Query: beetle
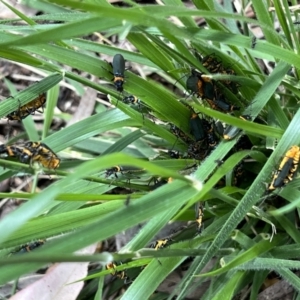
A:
118	69
211	137
199	217
197	129
114	170
220	104
253	42
123	170
211	63
30	246
179	133
287	169
13	150
42	154
118	65
198	150
120	274
131	100
174	154
28	109
238	173
201	85
231	131
135	101
161	182
160	243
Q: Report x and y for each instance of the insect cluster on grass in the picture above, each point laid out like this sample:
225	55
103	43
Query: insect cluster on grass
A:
205	133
